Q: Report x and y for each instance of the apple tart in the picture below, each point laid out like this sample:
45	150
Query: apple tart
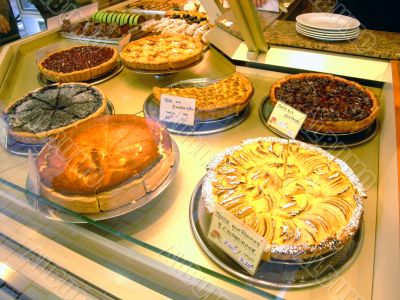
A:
302	200
332	104
105	163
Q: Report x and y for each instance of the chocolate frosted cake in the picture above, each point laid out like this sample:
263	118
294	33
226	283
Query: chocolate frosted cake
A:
52	109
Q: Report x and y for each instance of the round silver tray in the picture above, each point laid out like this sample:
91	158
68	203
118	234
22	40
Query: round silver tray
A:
324	140
274	273
43	81
22	149
164	73
51	212
152	110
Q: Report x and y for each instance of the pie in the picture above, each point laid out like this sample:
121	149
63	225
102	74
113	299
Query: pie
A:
332	104
162	52
301	199
47	111
105	163
79	63
225	97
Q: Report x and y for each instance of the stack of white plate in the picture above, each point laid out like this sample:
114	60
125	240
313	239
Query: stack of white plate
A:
327	27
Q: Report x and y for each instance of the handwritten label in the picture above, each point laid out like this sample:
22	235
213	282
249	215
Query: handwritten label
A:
3	133
179	110
241	243
286	119
33	174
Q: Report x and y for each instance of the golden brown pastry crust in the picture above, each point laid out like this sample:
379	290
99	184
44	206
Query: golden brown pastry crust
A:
105	163
42	137
81	75
302	200
161	53
330	126
226	97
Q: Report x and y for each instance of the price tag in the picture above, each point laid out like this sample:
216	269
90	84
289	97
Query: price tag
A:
179	110
33	174
241	243
286	119
3	133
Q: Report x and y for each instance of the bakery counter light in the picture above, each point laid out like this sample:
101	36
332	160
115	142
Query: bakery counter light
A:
292	193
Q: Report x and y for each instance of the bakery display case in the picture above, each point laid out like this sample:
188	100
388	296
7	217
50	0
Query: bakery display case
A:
157	246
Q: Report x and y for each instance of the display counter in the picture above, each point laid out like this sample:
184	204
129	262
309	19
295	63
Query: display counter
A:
152	251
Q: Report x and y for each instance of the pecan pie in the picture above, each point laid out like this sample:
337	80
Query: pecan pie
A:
302	200
78	63
162	52
52	109
332	104
105	163
226	97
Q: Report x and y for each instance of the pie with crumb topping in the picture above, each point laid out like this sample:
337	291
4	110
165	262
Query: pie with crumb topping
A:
162	52
223	98
332	104
79	63
304	201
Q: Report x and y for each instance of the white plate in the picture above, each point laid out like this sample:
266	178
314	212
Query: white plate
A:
327	32
327	38
328	21
341	35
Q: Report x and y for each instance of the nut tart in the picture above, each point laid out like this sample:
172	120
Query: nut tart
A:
302	200
50	110
162	52
105	163
332	104
226	97
79	63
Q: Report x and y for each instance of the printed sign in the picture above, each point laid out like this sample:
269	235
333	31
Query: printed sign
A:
241	243
179	110
3	133
286	119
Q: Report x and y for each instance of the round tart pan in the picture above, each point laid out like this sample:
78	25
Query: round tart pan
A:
274	273
324	140
152	110
22	149
43	81
55	212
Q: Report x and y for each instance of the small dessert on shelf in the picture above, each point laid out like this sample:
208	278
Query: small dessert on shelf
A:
120	18
78	63
332	104
158	4
50	110
301	199
105	163
226	97
162	53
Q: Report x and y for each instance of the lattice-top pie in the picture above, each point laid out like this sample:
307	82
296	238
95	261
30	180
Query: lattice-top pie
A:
79	63
226	97
302	200
162	52
332	104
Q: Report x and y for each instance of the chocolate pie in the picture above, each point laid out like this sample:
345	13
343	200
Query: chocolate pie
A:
332	104
52	109
78	63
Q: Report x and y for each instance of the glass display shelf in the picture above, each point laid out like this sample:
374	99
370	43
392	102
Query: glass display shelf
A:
159	233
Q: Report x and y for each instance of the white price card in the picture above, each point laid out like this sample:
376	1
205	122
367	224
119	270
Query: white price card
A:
3	133
178	110
237	240
33	174
286	119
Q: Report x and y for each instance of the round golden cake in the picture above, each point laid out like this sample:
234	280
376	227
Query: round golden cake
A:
48	111
79	63
105	163
162	52
332	104
302	200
